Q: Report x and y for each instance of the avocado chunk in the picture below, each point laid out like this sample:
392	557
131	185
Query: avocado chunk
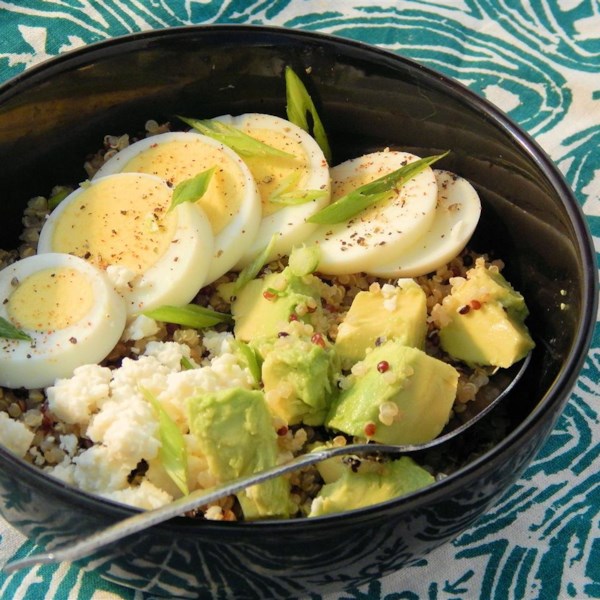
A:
331	469
235	430
298	378
381	314
380	482
264	306
482	321
396	395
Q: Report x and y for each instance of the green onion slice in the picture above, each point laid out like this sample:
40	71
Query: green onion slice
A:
285	193
59	195
357	200
251	270
237	140
304	260
299	106
172	453
252	359
192	189
190	315
10	332
187	364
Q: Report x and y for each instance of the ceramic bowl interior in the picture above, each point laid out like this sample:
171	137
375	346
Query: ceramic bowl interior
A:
57	113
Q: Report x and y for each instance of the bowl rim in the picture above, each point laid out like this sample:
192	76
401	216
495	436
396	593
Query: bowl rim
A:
556	396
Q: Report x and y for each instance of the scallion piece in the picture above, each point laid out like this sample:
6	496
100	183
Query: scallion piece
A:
356	201
251	270
172	453
299	106
187	364
192	189
237	140
252	359
10	332
59	195
190	315
304	260
287	193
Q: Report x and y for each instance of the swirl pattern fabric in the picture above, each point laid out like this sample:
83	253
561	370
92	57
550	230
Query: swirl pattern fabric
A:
539	62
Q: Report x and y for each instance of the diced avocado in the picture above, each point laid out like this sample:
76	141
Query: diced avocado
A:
298	378
483	321
391	312
235	430
331	469
263	307
366	486
397	395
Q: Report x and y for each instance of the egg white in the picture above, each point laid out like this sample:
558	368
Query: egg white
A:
174	277
383	231
456	217
288	223
234	229
55	353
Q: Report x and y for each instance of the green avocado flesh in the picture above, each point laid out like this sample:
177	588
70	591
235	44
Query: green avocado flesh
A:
371	483
298	379
397	395
237	435
484	320
264	306
391	312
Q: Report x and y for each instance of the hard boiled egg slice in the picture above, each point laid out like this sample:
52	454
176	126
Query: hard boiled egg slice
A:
383	231
456	216
68	308
231	201
304	170
122	223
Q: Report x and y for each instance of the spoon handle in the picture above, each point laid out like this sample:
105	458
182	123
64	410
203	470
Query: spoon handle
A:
146	519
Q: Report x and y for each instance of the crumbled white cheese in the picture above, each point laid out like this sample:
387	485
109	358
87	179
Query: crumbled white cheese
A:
124	426
14	435
141	327
74	400
98	471
168	354
217	343
145	495
128	430
145	372
121	277
69	444
65	471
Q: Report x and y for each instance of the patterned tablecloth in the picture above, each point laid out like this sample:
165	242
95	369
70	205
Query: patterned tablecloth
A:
539	61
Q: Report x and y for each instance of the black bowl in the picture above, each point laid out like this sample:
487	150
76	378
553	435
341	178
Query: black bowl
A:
56	113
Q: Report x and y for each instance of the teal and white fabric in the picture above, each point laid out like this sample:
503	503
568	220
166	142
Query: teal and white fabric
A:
537	60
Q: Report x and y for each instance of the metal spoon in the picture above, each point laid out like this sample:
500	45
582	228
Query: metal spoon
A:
144	520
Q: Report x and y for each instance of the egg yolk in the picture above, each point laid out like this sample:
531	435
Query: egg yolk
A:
178	160
118	221
51	299
270	172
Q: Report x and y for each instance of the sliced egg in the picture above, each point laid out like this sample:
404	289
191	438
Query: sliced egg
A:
231	201
122	223
304	170
383	231
456	217
68	308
